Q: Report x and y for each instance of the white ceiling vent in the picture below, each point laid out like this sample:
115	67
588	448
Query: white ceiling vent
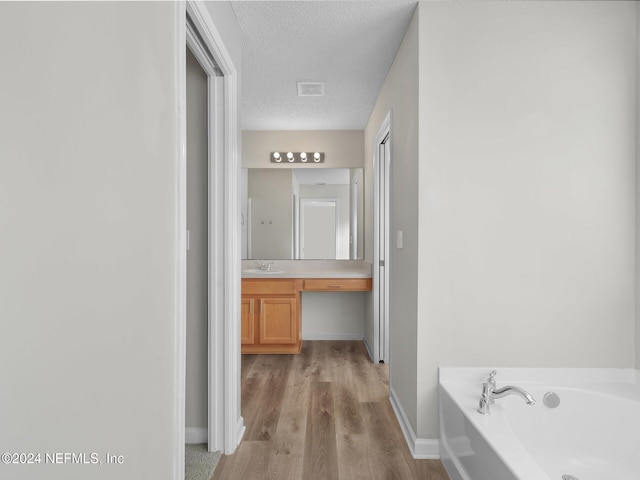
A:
311	89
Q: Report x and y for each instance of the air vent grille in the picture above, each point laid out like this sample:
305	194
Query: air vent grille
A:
311	89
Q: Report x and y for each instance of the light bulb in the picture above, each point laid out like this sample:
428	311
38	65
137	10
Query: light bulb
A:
303	156
290	157
276	157
316	157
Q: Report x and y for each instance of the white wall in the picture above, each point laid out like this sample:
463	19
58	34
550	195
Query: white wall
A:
527	187
197	255
342	148
332	315
399	94
88	231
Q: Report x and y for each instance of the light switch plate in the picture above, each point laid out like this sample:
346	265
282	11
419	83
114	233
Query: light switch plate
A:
399	239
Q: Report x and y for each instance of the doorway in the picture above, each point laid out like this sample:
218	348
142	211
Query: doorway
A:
318	228
197	251
381	224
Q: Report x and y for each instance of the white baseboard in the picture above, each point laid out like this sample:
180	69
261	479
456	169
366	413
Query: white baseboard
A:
427	449
241	429
200	434
332	336
195	435
368	347
421	448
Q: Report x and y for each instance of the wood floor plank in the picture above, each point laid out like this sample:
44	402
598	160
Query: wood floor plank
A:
295	407
335	358
250	398
353	457
348	416
319	356
301	365
275	378
289	441
246	364
288	457
320	454
387	449
251	462
321	415
370	378
431	470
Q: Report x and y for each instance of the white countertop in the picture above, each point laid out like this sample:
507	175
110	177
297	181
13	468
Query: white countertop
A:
308	269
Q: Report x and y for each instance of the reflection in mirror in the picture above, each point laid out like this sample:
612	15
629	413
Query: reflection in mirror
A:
302	213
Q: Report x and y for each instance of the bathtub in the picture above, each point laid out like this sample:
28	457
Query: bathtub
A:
593	434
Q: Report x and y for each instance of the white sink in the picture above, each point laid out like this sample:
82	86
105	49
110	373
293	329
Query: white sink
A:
262	272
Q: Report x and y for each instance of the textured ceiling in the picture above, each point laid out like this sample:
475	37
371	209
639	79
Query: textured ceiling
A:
349	45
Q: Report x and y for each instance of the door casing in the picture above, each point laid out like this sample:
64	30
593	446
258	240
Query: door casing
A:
225	424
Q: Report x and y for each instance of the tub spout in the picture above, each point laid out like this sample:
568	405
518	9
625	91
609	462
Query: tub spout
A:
511	390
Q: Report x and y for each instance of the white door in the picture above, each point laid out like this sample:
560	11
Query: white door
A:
318	219
383	242
381	173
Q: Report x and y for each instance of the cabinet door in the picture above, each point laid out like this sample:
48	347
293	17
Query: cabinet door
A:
247	321
278	321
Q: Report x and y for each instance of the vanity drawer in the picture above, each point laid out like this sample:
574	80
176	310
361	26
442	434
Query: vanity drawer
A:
337	284
268	287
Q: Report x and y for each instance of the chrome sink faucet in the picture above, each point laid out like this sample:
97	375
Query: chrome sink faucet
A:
264	266
490	393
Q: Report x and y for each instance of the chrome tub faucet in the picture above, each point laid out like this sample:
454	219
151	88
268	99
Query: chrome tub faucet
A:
490	393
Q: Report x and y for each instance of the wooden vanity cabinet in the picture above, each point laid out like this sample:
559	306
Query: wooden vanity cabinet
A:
270	316
271	310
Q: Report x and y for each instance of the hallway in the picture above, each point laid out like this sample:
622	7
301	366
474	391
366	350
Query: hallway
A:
323	414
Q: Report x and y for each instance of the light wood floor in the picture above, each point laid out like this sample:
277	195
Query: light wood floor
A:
320	415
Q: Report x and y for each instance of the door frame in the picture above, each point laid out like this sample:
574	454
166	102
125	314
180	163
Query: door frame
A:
381	286
225	424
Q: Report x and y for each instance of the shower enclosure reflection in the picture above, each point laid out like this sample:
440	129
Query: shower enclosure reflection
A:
302	213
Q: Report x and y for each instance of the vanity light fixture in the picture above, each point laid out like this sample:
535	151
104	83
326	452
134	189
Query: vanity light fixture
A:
297	157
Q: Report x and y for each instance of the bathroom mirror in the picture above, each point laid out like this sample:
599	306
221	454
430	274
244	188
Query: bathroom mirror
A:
302	213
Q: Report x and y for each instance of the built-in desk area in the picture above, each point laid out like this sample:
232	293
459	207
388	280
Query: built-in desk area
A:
271	299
